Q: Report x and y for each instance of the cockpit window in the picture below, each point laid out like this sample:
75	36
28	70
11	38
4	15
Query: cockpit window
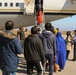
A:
17	4
0	4
5	4
11	4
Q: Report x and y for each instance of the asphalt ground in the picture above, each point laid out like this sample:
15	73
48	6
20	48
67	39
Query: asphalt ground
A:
70	67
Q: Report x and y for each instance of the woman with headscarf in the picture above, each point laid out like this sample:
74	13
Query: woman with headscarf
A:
69	43
61	51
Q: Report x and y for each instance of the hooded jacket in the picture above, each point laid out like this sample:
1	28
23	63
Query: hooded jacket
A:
49	42
33	49
9	48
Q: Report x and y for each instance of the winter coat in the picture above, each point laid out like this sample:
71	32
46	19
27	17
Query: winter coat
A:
9	48
33	49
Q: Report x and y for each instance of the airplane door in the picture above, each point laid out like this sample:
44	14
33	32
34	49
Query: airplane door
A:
39	4
29	6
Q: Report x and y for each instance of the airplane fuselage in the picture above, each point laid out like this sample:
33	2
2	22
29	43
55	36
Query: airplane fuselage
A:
53	10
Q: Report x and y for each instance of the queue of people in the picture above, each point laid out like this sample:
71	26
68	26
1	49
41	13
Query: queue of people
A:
41	50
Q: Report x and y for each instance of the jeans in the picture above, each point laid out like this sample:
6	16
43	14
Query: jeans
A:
8	73
50	59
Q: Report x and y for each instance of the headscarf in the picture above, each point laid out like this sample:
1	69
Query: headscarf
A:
61	50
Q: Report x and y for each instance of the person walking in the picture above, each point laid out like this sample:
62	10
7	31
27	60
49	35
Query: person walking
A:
49	44
9	48
69	43
74	52
21	36
34	52
61	51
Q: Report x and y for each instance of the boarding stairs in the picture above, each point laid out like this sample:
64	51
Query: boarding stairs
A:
42	20
39	15
30	9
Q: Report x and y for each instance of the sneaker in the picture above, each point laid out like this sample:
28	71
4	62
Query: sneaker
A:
73	60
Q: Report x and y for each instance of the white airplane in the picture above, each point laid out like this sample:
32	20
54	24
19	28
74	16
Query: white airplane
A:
53	10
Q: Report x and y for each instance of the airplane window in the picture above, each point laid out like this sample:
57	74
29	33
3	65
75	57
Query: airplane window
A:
17	4
11	4
5	4
0	4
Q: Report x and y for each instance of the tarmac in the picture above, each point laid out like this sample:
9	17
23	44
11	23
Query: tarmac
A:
70	67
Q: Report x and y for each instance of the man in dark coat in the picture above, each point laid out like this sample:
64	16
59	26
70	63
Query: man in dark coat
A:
9	48
34	52
74	52
49	43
